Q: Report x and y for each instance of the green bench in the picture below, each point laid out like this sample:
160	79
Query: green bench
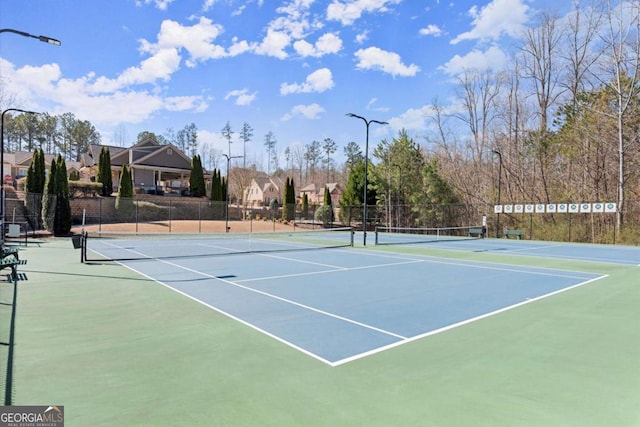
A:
476	232
9	251
518	233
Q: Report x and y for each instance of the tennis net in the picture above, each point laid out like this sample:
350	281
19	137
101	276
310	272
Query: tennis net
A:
122	246
408	235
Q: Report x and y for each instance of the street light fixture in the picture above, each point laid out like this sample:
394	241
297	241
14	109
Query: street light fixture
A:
499	188
44	39
2	198
226	192
366	163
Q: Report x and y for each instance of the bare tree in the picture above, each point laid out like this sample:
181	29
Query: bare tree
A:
541	57
619	71
245	135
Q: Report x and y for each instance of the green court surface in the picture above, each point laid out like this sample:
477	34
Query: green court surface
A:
116	348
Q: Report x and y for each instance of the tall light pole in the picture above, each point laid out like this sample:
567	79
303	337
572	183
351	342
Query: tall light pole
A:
366	164
2	198
44	39
499	188
226	192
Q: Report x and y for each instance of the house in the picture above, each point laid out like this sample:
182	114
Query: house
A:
17	164
155	168
263	190
315	193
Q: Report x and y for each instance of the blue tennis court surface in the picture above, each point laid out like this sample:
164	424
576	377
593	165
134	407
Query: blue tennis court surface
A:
338	305
571	251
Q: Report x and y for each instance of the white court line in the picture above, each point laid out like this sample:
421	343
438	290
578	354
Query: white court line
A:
288	301
337	269
464	322
231	316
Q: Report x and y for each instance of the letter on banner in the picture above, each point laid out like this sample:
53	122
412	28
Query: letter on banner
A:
497	208
539	208
610	207
518	208
598	207
551	208
562	208
574	208
585	208
508	209
528	209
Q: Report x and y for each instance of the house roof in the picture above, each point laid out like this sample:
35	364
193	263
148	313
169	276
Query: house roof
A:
91	157
149	153
317	187
23	158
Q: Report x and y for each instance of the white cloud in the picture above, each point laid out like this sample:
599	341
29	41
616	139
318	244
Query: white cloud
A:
208	4
311	112
371	106
318	81
491	59
242	96
160	4
196	39
328	43
373	58
349	11
495	19
431	30
101	101
185	103
414	119
362	37
273	44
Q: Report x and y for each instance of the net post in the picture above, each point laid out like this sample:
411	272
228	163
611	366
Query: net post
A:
83	246
376	238
353	233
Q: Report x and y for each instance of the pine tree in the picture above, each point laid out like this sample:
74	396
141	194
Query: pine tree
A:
217	195
324	213
34	188
124	198
305	206
196	180
49	199
289	197
62	221
104	172
56	207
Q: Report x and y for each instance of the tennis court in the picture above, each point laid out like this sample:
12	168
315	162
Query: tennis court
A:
338	305
308	330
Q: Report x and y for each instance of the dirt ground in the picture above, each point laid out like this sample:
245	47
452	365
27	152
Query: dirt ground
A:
191	227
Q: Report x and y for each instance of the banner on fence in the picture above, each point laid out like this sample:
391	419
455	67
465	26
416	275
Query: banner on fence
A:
598	207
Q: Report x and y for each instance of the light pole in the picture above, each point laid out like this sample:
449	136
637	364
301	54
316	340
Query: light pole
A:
44	39
226	192
499	188
366	163
2	198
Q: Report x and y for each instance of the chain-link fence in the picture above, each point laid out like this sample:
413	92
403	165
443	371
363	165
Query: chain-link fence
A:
164	211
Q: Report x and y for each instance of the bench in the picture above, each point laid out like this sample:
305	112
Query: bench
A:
12	263
476	232
8	251
518	233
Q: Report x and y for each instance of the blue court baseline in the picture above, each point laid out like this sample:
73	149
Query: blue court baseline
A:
339	305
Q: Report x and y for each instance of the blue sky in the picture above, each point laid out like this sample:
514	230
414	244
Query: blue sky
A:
294	67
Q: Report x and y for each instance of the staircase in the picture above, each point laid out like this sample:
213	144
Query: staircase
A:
16	212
